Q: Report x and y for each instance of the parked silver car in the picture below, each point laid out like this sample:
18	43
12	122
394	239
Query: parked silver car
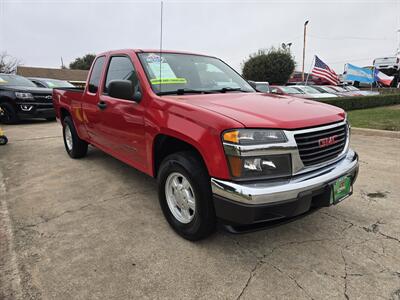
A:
360	92
313	93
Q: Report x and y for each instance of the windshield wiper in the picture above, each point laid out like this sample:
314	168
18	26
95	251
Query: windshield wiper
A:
231	89
182	92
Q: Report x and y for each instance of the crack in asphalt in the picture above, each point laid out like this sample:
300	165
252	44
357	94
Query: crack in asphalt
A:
46	220
373	228
292	278
251	275
261	261
345	276
69	211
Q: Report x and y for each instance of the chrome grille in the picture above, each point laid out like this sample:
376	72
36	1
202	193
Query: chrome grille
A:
43	98
319	146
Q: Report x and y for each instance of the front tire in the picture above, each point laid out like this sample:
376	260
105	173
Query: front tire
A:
185	195
9	115
75	147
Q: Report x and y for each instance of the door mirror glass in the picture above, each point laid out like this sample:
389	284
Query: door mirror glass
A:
121	89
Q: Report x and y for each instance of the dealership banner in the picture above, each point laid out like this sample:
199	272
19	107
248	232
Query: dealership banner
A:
354	73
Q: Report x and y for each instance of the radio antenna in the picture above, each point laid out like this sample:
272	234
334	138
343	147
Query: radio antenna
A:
161	38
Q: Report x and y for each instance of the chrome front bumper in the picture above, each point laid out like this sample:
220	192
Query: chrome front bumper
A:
279	191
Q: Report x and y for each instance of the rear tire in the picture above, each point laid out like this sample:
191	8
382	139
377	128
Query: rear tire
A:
187	169
75	147
10	115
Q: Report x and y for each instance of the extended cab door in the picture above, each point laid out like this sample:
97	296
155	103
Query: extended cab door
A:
122	121
90	115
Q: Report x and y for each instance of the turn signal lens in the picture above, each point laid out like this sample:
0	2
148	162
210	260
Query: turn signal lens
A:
231	136
254	136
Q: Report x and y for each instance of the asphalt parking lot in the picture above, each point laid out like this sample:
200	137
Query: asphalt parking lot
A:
92	229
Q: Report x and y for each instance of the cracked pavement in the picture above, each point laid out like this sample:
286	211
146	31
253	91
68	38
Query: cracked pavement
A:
92	229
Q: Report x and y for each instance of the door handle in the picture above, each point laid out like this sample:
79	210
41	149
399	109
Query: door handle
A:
102	105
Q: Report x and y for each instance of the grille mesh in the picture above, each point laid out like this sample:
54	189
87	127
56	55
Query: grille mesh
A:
43	98
319	146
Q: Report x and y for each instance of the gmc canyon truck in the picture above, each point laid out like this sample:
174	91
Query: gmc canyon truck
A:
219	149
20	99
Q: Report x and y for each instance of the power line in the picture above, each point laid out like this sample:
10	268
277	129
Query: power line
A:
351	38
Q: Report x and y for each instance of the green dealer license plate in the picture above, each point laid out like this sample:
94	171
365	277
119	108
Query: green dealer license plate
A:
341	188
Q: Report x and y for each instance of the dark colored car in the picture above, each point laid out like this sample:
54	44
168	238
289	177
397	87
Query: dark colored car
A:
20	99
50	83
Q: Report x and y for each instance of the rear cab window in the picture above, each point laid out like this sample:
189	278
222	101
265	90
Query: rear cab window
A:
95	76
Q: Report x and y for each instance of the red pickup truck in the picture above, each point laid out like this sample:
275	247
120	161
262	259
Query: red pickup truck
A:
219	149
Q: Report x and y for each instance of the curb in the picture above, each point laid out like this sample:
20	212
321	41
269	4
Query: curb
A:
375	132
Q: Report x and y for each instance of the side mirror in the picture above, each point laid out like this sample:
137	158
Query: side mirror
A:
121	89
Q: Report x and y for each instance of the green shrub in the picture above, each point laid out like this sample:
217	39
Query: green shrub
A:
352	103
275	66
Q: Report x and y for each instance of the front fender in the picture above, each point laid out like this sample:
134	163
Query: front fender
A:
196	127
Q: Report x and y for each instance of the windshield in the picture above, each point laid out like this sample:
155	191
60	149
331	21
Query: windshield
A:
339	89
173	73
351	88
308	90
15	80
54	83
290	90
327	89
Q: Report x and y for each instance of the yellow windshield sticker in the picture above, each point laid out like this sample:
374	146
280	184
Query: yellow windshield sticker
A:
168	81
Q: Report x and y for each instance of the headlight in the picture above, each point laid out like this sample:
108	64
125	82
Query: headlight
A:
24	96
268	166
254	136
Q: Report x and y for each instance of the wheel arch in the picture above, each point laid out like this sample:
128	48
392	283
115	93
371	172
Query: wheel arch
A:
164	145
64	113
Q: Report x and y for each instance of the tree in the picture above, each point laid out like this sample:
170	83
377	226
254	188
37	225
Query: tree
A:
275	66
8	64
83	63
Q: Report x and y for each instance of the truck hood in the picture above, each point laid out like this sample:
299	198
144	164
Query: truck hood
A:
27	89
265	110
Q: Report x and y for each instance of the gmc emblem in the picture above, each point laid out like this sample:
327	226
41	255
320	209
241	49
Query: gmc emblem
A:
325	142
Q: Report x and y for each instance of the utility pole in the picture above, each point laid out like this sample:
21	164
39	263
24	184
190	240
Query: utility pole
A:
304	49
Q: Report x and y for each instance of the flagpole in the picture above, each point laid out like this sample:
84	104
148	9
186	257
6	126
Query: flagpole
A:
373	76
308	75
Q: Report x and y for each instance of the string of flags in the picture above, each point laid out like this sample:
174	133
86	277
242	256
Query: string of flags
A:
351	73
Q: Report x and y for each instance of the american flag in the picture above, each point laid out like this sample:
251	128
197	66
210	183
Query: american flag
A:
322	70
